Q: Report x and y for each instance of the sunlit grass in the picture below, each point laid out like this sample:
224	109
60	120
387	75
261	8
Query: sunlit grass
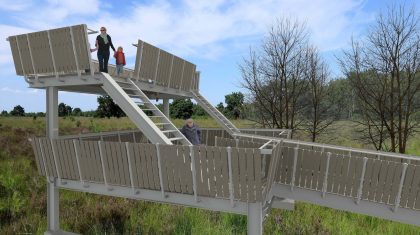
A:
23	194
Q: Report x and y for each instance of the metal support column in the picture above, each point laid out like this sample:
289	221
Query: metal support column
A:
52	208
52	112
165	110
166	107
255	218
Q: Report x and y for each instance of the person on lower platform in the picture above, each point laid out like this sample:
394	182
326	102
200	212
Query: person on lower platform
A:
192	132
119	60
103	43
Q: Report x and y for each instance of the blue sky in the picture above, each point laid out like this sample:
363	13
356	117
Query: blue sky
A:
215	35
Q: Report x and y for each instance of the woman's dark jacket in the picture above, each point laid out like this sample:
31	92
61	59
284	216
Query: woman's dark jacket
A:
102	47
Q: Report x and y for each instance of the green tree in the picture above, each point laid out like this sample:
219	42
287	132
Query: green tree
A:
199	111
181	108
107	108
64	110
77	112
220	107
234	104
4	113
18	111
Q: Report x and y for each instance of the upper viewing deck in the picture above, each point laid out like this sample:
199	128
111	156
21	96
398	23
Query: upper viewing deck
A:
61	57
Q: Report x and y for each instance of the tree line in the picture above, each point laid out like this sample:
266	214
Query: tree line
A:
289	84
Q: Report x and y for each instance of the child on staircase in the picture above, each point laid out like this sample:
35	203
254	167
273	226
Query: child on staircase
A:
119	60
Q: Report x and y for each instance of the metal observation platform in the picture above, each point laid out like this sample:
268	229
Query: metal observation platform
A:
243	171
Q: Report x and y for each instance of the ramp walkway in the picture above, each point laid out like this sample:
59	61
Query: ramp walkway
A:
243	171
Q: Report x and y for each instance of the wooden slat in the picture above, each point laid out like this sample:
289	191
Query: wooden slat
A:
224	171
72	159
153	156
257	166
332	172
250	175
407	185
211	169
38	158
388	182
235	173
218	171
48	147
187	170
134	171
367	183
395	182
108	162
242	175
374	179
381	181
139	167
315	159
122	157
198	169
414	189
357	175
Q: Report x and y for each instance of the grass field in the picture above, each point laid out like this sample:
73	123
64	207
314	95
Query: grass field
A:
23	194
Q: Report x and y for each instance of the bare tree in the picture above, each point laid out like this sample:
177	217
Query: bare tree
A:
275	77
384	70
317	115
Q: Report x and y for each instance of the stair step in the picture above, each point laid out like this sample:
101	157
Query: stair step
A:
176	138
129	89
162	123
148	109
169	131
159	116
128	83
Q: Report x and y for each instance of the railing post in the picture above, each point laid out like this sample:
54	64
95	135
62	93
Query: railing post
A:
398	197
231	195
194	174
362	177
52	55
75	52
170	71
76	152
215	141
160	171
103	165
157	67
32	58
325	184
141	57
295	157
43	160
182	75
130	169
54	152
119	136
134	137
20	57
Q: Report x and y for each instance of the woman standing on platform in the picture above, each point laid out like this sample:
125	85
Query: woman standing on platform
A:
103	42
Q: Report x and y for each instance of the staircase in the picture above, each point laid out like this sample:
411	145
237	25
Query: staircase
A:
216	114
145	115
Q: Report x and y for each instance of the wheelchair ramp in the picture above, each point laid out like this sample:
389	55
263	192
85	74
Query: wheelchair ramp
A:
216	114
372	183
138	107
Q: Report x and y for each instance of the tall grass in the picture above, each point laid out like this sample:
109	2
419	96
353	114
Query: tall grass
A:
23	194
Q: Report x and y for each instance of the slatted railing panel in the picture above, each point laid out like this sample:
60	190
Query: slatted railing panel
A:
360	176
165	67
90	161
136	165
177	72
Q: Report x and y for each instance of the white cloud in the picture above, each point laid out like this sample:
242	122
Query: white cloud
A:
15	5
19	91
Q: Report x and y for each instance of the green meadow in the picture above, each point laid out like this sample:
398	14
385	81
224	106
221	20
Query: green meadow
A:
23	194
